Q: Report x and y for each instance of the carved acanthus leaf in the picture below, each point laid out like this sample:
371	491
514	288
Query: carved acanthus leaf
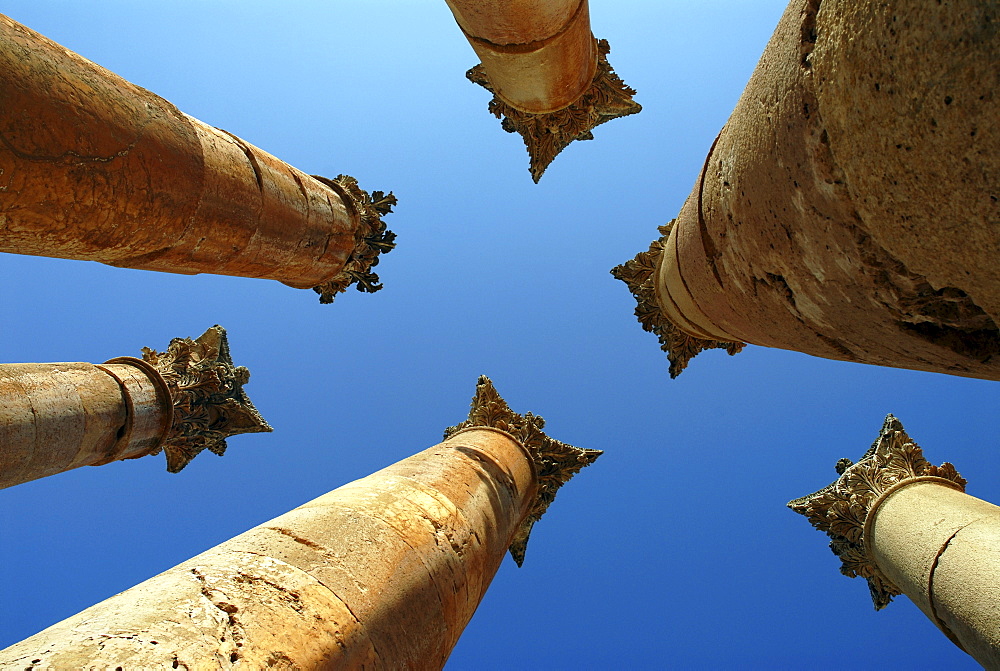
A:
555	462
639	275
370	239
545	135
841	509
206	390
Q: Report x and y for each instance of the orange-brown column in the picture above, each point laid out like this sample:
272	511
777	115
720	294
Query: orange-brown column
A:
849	207
382	573
549	76
96	168
909	528
58	416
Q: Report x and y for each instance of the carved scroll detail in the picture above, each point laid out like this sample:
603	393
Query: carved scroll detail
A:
555	462
207	394
639	275
371	238
545	135
842	508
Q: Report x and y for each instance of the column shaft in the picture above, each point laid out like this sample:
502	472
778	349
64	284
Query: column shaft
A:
59	416
97	168
848	208
907	527
539	56
384	572
941	547
549	77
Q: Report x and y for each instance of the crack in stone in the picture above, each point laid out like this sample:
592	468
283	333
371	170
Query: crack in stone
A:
72	154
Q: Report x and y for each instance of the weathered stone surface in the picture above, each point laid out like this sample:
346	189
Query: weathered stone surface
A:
382	573
54	417
846	210
59	416
100	169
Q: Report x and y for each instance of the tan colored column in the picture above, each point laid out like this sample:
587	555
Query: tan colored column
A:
550	78
382	573
849	207
909	528
96	168
58	416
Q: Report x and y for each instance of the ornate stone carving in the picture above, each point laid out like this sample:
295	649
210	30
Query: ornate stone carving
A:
207	393
555	462
545	135
842	508
371	238
638	274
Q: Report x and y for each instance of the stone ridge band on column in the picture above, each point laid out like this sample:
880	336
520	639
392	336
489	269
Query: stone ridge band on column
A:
555	462
147	420
545	135
99	169
639	274
206	390
845	508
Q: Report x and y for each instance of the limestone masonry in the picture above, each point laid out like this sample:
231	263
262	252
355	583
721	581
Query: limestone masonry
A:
382	573
103	170
58	416
849	207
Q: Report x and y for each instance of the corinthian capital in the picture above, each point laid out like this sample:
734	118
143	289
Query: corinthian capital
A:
639	274
555	462
842	508
545	135
206	391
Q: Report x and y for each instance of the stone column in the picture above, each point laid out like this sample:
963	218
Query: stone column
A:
93	167
849	207
382	573
907	527
58	416
550	79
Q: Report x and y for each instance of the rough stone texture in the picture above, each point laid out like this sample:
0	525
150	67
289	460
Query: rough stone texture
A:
383	573
58	416
907	92
99	169
848	209
942	548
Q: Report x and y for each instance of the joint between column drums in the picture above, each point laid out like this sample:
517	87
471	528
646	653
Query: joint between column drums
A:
866	533
528	47
163	397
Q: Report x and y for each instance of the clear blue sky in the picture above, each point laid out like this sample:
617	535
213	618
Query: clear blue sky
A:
675	549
